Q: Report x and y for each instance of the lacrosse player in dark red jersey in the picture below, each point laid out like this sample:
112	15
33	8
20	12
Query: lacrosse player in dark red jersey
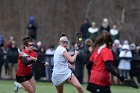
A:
26	58
101	61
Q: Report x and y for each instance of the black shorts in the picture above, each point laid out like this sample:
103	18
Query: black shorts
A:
93	88
21	79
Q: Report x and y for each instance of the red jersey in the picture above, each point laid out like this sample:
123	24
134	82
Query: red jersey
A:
22	69
99	74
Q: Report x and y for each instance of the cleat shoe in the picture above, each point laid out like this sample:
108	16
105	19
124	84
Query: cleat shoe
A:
16	87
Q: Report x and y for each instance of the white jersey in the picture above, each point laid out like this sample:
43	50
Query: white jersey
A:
61	71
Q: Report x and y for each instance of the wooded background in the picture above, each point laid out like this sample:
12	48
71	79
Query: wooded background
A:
57	16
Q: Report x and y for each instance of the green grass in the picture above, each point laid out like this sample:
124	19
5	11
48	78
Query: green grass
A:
6	86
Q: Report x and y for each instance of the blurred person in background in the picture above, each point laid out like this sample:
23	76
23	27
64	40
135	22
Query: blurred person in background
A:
39	68
88	51
9	42
135	64
1	59
50	50
49	57
84	29
133	48
116	48
12	56
38	46
125	60
1	53
32	27
105	26
80	62
1	40
115	34
62	68
93	32
6	63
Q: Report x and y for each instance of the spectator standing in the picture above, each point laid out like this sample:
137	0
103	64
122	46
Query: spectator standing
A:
80	62
93	32
88	51
115	34
6	63
36	66
39	68
9	43
32	28
49	58
105	26
50	50
1	40
116	48
12	57
38	46
125	59
116	51
1	59
84	29
1	53
133	48
135	65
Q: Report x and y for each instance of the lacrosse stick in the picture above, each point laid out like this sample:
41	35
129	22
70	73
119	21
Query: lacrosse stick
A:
22	53
25	55
131	83
79	40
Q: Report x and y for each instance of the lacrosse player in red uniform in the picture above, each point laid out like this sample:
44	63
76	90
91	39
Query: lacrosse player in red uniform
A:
26	58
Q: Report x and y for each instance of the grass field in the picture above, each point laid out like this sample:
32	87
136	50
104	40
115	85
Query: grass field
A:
6	86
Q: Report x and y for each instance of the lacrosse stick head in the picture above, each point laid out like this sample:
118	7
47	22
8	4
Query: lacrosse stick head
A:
22	53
